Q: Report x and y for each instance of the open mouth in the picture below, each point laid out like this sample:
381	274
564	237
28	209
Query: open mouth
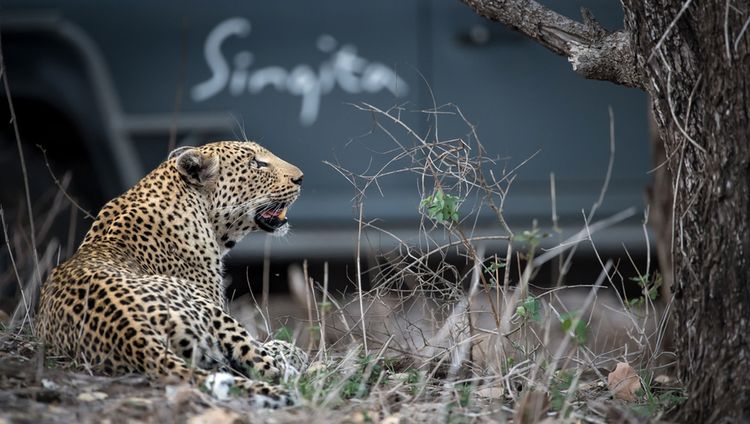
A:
272	218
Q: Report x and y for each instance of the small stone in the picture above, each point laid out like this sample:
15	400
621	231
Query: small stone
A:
215	416
491	392
92	396
663	379
391	419
316	366
591	385
400	376
49	384
56	410
362	417
138	401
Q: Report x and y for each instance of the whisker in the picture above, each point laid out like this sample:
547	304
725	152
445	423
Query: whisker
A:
255	203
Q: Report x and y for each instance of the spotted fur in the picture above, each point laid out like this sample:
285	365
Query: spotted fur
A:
144	291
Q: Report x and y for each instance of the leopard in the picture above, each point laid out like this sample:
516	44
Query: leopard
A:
145	293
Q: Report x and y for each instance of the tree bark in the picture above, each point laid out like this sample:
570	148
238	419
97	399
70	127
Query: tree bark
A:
696	60
693	58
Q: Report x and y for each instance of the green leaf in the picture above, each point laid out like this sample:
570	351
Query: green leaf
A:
559	387
284	334
441	207
532	307
574	326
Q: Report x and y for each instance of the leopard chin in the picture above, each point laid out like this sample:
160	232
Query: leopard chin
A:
281	231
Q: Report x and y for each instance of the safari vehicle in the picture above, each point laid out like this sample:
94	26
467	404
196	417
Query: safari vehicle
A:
108	87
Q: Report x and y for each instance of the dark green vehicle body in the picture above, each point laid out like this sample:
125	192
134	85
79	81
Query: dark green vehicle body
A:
119	82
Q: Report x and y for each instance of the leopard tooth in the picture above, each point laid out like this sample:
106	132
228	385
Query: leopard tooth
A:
282	215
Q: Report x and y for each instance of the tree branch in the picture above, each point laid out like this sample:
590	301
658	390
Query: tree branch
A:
593	52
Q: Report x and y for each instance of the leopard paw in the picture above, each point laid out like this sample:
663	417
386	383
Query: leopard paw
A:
291	359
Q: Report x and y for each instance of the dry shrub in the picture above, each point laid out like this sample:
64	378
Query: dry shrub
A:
472	334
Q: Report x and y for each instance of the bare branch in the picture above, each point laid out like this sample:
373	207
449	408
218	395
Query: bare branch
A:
593	52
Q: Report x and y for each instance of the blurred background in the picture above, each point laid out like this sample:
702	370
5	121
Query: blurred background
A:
107	88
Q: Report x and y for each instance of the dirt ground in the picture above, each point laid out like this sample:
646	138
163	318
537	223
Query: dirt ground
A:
38	390
32	391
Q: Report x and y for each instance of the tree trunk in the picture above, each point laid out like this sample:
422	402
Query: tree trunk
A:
696	60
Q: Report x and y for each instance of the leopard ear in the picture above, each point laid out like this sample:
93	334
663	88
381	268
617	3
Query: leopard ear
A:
174	153
195	167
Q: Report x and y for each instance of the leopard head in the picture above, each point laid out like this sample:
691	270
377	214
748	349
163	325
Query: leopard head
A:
248	188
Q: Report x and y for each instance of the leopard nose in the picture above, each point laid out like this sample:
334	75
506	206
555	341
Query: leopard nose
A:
298	180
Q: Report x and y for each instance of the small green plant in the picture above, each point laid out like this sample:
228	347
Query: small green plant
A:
649	287
284	334
306	383
359	383
508	364
464	394
325	307
413	377
559	387
655	400
314	330
390	364
412	381
574	326
530	309
354	385
453	415
495	265
441	207
531	237
493	268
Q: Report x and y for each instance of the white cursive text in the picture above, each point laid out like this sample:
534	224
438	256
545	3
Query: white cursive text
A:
343	68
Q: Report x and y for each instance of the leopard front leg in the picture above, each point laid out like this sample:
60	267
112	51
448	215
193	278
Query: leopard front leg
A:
147	352
243	352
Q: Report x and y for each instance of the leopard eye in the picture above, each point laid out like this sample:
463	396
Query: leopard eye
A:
258	163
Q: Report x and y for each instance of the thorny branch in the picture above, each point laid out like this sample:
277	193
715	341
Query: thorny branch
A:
593	51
